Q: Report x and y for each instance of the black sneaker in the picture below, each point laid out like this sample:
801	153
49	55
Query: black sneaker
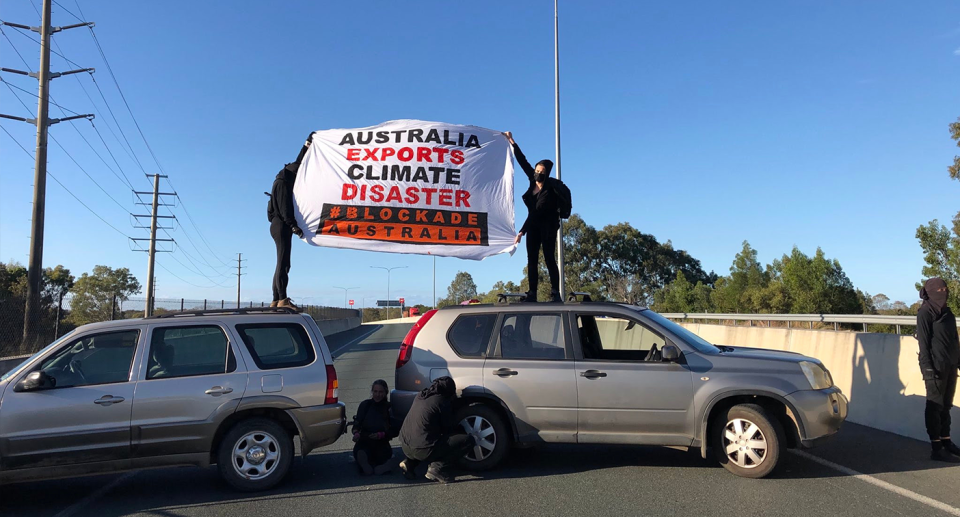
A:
555	297
944	456
440	477
951	447
530	298
408	470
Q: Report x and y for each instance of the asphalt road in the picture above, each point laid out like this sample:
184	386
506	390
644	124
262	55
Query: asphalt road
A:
862	472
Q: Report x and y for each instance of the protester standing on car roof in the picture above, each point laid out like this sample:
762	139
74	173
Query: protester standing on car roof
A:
283	226
429	433
373	430
546	199
939	362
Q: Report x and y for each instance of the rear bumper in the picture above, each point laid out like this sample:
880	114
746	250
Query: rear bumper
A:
400	402
821	413
319	425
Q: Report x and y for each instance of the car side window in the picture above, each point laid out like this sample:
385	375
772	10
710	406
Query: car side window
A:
532	336
189	351
277	345
617	338
470	334
103	358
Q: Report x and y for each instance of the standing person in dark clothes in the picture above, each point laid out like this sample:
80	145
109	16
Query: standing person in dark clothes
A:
939	361
372	431
542	224
429	433
283	226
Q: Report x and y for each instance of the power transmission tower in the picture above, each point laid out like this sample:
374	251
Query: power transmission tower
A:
152	251
31	316
240	261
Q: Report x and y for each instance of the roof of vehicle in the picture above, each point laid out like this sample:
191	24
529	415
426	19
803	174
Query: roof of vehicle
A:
539	306
188	315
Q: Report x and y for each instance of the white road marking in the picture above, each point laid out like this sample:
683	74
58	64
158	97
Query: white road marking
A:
355	341
86	501
933	503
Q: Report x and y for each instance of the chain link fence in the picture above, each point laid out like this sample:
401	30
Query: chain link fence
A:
57	317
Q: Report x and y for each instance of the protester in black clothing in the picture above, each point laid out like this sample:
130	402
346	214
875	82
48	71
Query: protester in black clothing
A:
372	431
939	362
429	433
283	226
542	224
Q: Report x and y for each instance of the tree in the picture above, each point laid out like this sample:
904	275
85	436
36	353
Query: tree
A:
941	252
97	295
498	288
462	288
881	302
744	290
954	169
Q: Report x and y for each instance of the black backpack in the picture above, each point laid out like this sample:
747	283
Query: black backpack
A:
564	201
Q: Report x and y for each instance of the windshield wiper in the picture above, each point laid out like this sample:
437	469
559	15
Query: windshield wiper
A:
724	348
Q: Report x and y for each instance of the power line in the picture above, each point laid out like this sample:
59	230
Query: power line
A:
11	85
65	9
38	42
186	281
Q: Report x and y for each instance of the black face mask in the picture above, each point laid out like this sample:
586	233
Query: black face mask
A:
539	177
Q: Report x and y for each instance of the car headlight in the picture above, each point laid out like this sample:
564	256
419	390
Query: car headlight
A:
817	375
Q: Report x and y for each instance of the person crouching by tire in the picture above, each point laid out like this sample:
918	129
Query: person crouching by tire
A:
429	433
939	361
373	430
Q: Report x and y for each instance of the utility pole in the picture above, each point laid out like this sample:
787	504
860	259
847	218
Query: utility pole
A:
239	274
31	313
345	291
152	251
556	79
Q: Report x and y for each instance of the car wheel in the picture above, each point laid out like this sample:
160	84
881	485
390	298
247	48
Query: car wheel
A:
747	441
255	454
491	433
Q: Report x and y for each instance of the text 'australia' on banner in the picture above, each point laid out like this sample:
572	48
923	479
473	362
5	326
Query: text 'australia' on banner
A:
408	186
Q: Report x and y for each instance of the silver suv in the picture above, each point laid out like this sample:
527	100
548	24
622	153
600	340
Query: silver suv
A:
612	373
230	388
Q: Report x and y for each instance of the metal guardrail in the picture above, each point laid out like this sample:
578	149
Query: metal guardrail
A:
835	319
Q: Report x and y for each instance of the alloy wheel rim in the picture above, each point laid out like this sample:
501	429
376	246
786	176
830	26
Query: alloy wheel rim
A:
256	455
744	443
483	434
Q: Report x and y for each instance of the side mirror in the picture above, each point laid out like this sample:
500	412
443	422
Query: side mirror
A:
35	381
670	353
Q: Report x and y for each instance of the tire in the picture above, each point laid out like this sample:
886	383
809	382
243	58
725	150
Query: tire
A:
255	454
754	438
482	421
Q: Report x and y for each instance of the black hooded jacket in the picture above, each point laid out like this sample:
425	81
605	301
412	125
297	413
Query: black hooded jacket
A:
431	415
374	417
543	207
281	195
937	334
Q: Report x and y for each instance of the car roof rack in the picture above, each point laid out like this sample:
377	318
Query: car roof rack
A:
222	312
584	297
506	298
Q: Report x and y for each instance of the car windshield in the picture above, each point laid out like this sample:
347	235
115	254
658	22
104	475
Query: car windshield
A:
13	370
690	338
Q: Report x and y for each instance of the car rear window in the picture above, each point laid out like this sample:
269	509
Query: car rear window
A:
277	345
470	334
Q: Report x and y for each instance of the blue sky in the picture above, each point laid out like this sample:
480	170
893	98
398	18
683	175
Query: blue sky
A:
705	123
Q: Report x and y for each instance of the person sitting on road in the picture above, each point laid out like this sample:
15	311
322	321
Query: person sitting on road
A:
373	430
429	433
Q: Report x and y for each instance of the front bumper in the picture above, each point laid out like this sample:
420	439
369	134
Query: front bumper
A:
319	425
820	413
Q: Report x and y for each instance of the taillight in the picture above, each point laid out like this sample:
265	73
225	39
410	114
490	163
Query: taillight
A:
406	348
333	386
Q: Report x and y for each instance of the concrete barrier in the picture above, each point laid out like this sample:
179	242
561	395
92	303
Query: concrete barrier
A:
878	372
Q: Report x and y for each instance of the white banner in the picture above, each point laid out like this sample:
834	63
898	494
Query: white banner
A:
408	186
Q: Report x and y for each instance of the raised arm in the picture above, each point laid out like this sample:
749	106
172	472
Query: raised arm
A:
521	159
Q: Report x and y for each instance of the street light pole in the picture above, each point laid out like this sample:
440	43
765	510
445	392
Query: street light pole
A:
388	270
345	290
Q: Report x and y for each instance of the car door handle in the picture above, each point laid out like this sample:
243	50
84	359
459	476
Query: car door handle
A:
593	374
216	391
108	400
505	372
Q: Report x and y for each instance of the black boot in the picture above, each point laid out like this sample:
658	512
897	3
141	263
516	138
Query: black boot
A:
530	298
941	454
555	297
950	447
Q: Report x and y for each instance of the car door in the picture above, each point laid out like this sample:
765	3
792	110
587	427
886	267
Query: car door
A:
85	416
532	372
190	381
626	393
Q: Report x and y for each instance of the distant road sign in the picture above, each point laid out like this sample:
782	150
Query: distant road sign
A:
351	303
388	303
401	301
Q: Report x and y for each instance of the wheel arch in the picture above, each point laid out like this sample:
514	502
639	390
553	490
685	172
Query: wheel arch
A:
778	407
